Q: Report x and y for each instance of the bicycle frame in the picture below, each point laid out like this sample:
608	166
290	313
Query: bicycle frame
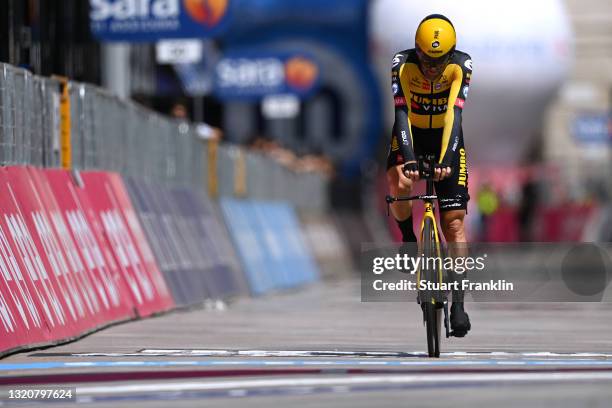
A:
426	171
430	214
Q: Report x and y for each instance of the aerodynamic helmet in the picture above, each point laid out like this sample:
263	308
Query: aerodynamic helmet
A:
435	43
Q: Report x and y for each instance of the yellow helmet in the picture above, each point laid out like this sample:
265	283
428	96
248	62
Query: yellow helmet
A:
435	44
435	36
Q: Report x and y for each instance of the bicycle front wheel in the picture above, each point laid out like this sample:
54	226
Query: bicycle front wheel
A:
428	301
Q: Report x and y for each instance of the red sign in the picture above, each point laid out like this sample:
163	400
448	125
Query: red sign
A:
21	299
126	239
72	258
81	230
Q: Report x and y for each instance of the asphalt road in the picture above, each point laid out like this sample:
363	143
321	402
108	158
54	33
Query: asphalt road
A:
323	347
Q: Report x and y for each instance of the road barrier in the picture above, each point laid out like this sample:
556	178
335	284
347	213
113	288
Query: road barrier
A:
191	245
50	122
328	246
159	227
72	258
270	244
110	202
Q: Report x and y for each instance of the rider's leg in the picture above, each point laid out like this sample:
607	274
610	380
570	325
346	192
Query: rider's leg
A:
453	229
400	185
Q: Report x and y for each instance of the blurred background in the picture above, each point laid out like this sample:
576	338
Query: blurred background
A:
292	101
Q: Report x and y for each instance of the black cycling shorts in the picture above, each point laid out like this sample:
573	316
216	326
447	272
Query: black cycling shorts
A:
453	191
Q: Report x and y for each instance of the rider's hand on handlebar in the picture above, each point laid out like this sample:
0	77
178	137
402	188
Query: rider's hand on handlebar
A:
440	173
411	170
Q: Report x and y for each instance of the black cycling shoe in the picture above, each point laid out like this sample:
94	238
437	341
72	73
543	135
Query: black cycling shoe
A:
459	320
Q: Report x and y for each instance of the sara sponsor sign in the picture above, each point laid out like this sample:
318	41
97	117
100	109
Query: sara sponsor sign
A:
150	20
255	76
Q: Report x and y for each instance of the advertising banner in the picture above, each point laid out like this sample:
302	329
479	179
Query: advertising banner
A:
151	20
115	214
223	277
253	75
160	227
88	291
90	254
159	239
593	128
269	241
188	241
24	298
122	199
61	297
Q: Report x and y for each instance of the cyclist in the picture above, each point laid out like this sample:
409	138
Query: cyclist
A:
430	84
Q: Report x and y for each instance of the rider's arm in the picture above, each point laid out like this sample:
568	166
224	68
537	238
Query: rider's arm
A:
452	119
401	126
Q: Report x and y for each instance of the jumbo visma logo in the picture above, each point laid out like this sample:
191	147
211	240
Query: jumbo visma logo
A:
301	73
206	12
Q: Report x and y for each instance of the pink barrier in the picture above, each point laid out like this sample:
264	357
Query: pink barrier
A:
21	301
87	234
72	258
110	201
48	286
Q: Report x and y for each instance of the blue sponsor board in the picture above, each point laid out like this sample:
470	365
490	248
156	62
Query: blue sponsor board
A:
152	20
593	128
270	244
249	75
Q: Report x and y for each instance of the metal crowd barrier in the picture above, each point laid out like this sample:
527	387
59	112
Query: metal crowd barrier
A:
105	132
29	118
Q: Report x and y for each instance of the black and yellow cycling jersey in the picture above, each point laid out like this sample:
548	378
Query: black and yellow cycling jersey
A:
423	104
428	121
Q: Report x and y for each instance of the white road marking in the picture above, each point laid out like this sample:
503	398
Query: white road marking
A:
329	353
412	362
420	378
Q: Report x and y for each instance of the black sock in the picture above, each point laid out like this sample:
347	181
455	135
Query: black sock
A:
407	230
458	294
